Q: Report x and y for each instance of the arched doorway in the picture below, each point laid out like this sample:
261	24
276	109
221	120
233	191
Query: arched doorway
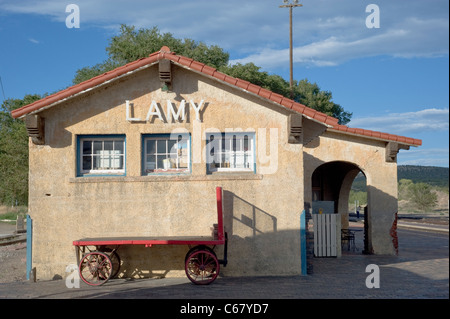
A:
337	157
331	184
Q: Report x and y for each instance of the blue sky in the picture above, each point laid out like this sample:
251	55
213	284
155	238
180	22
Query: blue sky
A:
394	78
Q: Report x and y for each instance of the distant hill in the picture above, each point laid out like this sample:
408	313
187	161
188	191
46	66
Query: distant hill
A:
435	176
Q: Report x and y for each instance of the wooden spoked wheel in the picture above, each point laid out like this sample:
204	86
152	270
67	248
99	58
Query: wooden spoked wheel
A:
95	268
201	266
115	259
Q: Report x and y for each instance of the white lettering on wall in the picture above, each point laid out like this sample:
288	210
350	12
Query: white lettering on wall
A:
172	112
129	118
181	110
154	110
197	109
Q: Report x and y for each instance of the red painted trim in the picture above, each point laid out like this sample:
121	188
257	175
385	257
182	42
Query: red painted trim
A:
146	242
220	231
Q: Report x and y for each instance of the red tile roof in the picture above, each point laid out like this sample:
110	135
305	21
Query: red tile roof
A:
165	53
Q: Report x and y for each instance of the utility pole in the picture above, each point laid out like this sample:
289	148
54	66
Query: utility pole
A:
291	55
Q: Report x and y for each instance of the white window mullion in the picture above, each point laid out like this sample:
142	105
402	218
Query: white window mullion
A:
101	160
166	159
236	153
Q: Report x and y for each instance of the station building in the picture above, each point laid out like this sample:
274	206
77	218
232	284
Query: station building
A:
140	150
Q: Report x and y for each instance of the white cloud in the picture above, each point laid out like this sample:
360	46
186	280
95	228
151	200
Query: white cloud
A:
424	157
33	41
427	120
52	8
326	32
412	38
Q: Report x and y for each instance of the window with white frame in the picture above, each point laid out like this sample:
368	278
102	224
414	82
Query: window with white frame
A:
101	155
230	152
166	154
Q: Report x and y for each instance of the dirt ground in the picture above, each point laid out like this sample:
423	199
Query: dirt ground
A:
13	258
13	262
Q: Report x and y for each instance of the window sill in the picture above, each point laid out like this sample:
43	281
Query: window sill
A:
87	175
219	176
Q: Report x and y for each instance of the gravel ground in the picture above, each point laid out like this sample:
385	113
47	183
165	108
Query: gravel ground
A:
12	258
13	262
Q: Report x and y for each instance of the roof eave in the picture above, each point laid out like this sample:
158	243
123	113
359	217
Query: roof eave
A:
377	136
60	97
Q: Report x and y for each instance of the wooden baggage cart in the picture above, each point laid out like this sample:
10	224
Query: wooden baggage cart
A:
98	260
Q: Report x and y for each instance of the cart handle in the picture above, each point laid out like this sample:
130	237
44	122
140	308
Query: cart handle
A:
220	231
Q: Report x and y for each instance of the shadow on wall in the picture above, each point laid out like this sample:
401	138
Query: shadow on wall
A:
255	247
245	218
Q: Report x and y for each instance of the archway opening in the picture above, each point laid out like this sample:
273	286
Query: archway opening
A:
358	212
341	187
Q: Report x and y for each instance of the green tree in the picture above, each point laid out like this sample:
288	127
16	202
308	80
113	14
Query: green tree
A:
252	73
305	92
360	197
422	196
132	44
14	153
403	188
89	72
312	96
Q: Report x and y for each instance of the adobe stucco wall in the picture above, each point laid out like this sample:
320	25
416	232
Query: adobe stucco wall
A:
262	210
